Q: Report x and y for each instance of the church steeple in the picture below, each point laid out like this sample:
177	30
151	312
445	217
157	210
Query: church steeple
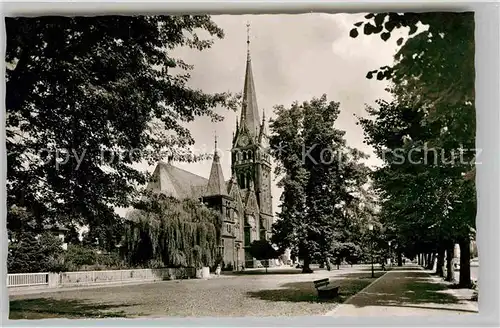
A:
249	111
216	184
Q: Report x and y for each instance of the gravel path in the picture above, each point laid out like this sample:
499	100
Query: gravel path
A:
407	291
279	293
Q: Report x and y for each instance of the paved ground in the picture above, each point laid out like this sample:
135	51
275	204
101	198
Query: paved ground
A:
282	292
407	291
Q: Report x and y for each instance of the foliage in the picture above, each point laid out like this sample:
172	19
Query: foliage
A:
177	233
29	252
77	256
437	61
87	97
263	250
322	179
428	203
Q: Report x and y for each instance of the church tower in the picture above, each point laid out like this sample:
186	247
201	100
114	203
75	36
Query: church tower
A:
250	159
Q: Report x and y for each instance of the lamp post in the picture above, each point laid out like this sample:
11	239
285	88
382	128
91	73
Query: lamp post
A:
370	228
390	252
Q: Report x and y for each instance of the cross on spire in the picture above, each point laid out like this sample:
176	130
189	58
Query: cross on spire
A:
248	32
248	40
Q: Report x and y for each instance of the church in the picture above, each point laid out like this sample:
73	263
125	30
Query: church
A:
244	202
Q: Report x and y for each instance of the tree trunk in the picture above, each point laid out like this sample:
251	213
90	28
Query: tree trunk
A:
328	264
400	258
440	261
464	280
419	259
430	261
450	272
307	264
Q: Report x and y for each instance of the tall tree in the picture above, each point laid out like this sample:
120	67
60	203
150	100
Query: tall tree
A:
87	97
434	73
319	176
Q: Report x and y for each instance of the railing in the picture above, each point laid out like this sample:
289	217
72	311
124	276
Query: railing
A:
92	277
86	278
27	279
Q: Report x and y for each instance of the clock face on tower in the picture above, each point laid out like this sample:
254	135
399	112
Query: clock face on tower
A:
265	142
243	140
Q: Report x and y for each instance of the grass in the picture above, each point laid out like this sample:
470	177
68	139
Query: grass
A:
350	284
44	308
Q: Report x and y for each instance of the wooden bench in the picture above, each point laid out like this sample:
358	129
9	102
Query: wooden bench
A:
325	290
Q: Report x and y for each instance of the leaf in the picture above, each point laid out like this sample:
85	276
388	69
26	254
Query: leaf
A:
354	33
358	24
369	16
400	41
368	29
380	76
413	29
369	75
379	19
385	36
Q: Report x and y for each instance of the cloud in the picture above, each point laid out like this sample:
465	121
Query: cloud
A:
294	58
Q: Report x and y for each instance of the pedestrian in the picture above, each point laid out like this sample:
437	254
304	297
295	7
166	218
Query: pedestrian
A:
218	270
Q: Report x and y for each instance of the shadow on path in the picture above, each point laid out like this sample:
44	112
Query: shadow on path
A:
350	284
38	308
408	288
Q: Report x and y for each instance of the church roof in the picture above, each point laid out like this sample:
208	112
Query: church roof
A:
176	182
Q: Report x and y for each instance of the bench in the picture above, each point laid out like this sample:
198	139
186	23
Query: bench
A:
325	290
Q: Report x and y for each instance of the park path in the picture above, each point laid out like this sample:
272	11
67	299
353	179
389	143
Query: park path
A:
407	291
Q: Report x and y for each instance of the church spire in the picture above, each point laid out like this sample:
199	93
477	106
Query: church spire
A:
216	184
249	111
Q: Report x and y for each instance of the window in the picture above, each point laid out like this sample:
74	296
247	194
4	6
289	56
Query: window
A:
247	236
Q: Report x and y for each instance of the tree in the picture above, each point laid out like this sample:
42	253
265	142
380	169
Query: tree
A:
175	233
437	61
29	252
319	175
262	250
433	77
77	256
87	97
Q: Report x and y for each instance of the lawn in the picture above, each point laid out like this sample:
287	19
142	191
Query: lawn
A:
284	293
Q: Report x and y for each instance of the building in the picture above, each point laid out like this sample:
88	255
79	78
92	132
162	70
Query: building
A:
244	201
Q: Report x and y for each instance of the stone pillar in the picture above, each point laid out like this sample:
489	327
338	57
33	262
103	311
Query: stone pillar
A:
54	279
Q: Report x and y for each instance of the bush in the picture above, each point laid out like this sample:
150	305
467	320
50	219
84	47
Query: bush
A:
78	256
35	253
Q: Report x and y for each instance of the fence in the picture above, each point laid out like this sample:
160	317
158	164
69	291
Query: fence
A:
27	279
87	278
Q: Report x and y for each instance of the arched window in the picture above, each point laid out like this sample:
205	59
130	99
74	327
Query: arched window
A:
242	181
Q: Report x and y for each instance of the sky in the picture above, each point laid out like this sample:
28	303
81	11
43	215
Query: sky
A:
294	58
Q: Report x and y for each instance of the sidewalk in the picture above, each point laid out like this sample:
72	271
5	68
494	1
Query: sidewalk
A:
406	291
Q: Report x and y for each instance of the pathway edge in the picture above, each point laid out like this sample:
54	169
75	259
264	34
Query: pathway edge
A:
331	312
